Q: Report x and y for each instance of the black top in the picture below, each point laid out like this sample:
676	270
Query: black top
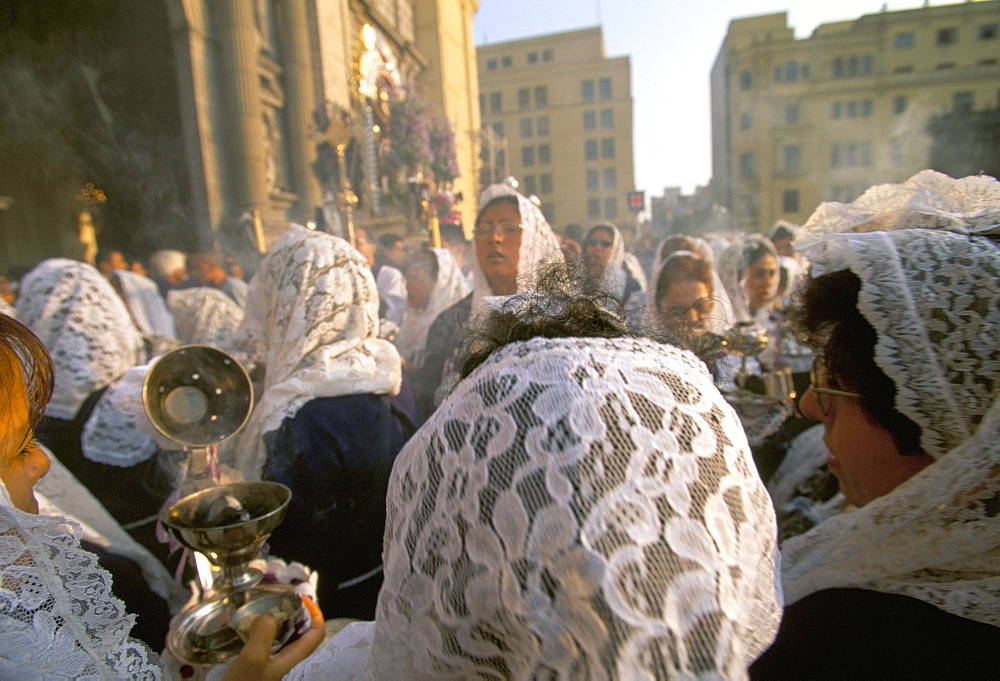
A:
443	340
861	634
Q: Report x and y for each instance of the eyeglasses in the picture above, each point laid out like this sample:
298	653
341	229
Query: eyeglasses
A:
508	228
599	242
702	307
820	377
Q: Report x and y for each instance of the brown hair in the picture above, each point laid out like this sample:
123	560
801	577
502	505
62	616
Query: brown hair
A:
24	357
681	266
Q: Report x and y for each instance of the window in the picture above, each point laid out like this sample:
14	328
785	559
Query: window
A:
546	55
527	156
529	185
962	101
835	159
498	128
899	104
852	65
867	65
496	104
549	211
542	126
608	147
866	154
594	209
851	155
544	154
532	57
482	102
792	71
852	109
838	110
607	119
545	180
867	107
986	62
523	98
590	150
604	88
838	67
904	40
989	32
903	69
790	201
746	164
947	36
897	149
792	156
791	114
525	127
589	120
592	180
610	208
610	176
805	72
506	62
746	79
491	64
746	120
587	90
541	97
778	73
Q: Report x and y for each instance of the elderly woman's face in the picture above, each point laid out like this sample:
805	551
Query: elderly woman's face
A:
22	461
760	280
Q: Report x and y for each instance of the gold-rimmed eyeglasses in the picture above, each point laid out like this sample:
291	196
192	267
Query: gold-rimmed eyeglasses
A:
820	376
486	229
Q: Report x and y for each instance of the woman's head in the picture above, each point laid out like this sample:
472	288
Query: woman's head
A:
759	276
498	243
599	246
684	288
26	375
421	272
562	511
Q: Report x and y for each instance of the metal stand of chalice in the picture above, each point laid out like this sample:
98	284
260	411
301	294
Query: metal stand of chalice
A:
748	339
199	396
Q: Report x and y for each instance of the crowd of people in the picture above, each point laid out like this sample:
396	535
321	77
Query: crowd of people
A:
532	455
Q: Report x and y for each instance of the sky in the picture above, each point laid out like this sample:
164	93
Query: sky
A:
672	45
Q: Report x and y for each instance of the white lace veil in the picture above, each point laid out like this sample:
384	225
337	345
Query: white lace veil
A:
613	278
312	316
449	288
933	296
539	245
732	265
205	315
85	326
576	509
58	617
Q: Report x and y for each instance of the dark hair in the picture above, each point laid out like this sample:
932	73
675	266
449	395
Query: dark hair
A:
781	232
674	243
423	260
196	260
605	226
389	240
20	348
755	247
563	304
825	314
509	199
452	233
683	267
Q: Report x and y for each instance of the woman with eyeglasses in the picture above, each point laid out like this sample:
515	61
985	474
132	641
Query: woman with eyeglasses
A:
606	261
513	241
904	309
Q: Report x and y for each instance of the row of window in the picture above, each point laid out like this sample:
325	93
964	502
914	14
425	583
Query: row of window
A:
607	147
945	36
594	209
791	72
506	61
853	108
603	89
539	126
544	156
494	100
609	176
607	119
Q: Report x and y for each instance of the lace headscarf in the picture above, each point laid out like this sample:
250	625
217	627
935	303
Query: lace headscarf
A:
449	288
85	326
58	617
613	278
933	296
539	245
732	269
577	508
205	315
312	315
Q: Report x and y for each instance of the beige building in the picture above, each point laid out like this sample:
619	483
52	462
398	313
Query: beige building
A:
799	122
193	114
557	115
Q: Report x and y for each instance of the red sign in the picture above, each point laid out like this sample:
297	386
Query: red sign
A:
636	201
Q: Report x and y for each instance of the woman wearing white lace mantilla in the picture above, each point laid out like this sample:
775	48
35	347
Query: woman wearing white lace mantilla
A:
904	303
577	508
328	423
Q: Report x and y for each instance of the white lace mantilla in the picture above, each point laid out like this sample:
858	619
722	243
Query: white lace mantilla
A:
576	509
58	618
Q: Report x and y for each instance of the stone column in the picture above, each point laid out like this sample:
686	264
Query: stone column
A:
241	84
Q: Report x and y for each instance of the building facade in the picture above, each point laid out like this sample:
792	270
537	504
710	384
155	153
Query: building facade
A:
557	115
796	122
191	115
